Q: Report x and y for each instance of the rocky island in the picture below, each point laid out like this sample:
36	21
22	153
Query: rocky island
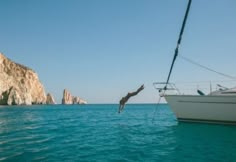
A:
20	85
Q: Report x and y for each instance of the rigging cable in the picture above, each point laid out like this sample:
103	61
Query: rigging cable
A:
155	111
179	41
176	53
206	68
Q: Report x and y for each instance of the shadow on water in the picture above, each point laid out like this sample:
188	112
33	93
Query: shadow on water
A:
204	142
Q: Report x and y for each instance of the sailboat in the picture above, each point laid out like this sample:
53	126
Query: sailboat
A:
216	107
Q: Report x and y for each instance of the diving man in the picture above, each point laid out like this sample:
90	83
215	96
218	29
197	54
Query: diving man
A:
126	98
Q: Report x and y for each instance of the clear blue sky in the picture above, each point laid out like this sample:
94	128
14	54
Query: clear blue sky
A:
101	49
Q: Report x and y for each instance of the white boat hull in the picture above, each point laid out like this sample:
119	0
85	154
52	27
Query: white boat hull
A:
212	109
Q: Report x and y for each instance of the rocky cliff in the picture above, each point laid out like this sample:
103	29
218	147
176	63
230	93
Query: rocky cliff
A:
19	85
69	99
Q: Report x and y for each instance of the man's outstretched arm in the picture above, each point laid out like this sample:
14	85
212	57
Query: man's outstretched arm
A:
136	92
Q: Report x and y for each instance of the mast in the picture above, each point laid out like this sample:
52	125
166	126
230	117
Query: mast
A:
178	43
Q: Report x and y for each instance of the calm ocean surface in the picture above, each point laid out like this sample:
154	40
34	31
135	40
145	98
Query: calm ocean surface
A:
99	133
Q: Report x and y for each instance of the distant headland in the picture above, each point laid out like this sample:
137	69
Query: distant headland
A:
20	85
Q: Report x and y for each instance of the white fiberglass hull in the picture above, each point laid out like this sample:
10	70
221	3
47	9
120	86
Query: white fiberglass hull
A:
212	109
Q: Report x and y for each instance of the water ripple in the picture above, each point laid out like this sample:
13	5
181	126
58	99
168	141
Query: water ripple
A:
99	133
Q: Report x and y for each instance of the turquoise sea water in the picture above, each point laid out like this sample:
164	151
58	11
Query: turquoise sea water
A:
99	133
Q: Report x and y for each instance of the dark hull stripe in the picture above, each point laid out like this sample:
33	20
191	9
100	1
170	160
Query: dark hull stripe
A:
207	121
207	102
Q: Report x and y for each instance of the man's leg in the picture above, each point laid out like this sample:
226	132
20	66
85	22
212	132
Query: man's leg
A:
121	108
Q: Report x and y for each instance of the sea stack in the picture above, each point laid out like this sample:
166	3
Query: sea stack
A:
69	99
19	85
50	99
